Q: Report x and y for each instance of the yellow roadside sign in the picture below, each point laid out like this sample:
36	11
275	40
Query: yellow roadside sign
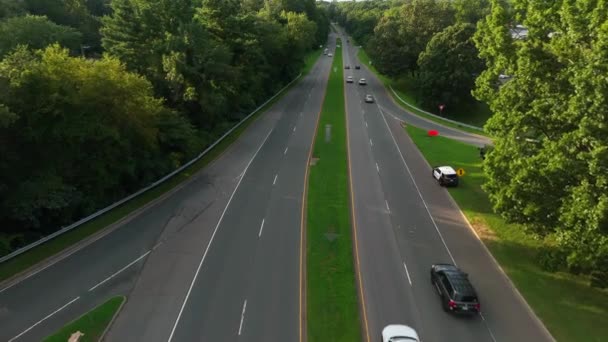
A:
460	172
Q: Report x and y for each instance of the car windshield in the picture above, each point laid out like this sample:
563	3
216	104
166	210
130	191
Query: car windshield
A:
451	176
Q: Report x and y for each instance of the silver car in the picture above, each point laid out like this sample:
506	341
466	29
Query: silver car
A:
362	81
369	98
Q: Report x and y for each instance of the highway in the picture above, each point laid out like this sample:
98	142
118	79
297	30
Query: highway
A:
405	222
190	261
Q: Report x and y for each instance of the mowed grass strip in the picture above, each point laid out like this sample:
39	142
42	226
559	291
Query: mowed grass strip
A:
571	310
332	306
479	117
91	324
50	248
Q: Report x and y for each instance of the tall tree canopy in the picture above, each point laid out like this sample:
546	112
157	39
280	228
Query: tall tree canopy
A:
548	169
449	66
403	32
86	127
36	32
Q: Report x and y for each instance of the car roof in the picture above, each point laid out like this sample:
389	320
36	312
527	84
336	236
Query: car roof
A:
399	330
460	282
447	170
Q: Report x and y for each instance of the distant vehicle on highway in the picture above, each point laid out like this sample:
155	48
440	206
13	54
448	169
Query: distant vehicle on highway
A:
399	333
347	67
445	176
330	54
362	81
325	51
357	67
369	98
349	79
456	291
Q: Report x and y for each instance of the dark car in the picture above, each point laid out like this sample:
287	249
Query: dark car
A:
357	67
456	292
347	67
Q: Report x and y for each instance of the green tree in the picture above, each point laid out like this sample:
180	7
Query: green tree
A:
73	13
80	134
449	66
471	11
403	32
547	170
36	32
11	8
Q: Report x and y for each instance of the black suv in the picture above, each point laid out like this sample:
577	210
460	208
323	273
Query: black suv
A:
457	293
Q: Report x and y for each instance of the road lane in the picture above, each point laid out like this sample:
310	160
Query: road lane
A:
244	265
382	272
181	221
423	235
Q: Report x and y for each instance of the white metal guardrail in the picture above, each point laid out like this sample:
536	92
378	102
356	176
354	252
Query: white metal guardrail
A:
434	115
149	187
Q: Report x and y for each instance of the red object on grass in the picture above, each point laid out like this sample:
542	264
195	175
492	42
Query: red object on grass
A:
433	133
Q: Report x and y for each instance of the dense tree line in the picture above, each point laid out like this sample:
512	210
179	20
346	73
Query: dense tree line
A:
427	40
548	170
101	97
548	93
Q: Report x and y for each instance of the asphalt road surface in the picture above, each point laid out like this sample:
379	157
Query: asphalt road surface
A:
405	222
241	214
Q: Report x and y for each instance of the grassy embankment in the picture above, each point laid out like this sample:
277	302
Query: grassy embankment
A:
35	255
571	310
92	324
476	116
332	307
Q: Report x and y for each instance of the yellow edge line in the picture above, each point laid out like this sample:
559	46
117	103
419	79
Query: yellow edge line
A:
303	214
354	221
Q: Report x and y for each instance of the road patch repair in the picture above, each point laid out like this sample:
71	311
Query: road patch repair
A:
332	306
91	326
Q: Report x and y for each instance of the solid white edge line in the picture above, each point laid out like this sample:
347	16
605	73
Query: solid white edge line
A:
286	148
294	128
371	142
181	310
242	316
417	189
44	319
275	179
407	273
261	228
377	167
119	271
387	207
366	124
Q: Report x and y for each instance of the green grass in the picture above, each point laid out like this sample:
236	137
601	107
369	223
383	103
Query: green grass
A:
569	308
40	253
332	306
476	115
92	324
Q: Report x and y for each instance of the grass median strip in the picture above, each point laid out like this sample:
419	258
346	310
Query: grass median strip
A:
91	325
571	310
364	58
40	253
332	307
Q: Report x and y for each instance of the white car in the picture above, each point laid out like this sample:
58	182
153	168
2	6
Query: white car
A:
445	176
369	98
349	79
362	81
399	333
330	54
